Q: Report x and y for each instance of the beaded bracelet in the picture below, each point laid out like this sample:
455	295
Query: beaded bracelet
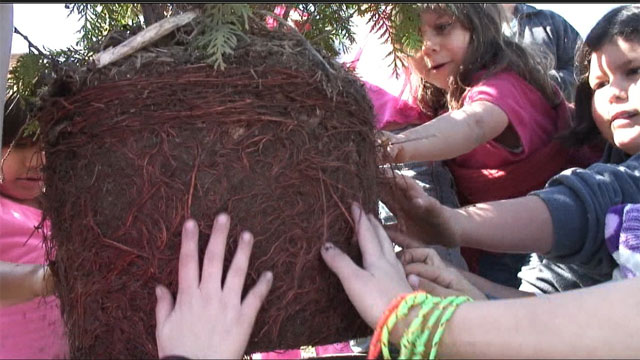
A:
400	313
447	315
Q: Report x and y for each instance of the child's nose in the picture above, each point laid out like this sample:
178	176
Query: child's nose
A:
429	46
618	91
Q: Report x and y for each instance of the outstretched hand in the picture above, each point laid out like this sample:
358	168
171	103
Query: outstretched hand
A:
207	320
421	219
427	271
381	279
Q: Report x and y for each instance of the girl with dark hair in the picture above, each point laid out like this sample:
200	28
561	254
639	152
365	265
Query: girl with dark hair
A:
29	313
501	115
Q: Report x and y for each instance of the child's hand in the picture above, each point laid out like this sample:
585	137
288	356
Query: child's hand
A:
426	271
372	288
208	321
45	281
387	140
420	218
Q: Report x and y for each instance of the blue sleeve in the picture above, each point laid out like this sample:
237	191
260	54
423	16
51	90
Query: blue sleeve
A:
578	200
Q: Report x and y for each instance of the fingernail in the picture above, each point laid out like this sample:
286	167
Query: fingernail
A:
268	275
158	291
355	208
328	246
413	280
246	236
222	218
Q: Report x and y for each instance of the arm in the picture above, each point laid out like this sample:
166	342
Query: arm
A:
493	289
580	323
576	324
519	225
451	134
516	225
23	282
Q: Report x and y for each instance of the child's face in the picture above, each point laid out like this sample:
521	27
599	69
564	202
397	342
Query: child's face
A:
444	46
22	173
614	75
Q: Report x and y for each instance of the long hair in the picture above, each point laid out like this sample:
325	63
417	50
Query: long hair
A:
15	118
621	22
490	51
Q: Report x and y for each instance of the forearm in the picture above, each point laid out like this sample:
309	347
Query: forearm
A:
520	225
451	134
19	282
491	289
575	324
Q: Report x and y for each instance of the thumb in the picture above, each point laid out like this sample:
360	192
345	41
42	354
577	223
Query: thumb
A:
164	304
418	283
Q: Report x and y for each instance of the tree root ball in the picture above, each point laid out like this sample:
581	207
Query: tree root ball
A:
133	150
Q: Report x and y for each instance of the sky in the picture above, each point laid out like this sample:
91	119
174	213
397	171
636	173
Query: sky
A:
48	25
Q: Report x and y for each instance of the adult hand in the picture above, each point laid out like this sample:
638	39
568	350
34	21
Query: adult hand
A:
426	271
207	320
381	279
420	218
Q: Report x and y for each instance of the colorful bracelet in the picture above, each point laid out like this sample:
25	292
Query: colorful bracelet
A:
413	332
374	346
447	315
421	341
401	312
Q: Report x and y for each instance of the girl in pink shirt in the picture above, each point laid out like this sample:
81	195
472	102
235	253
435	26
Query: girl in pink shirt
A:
30	320
499	111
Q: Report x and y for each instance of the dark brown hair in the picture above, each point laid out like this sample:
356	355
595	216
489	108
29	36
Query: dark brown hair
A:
489	50
621	22
15	118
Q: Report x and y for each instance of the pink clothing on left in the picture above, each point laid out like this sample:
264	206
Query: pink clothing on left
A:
33	329
531	116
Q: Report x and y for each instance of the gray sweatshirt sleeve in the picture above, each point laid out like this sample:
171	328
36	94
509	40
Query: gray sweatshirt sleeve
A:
578	200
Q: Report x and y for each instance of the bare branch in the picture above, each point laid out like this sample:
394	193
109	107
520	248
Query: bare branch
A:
144	38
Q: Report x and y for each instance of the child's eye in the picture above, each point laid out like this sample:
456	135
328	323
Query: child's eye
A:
633	71
443	27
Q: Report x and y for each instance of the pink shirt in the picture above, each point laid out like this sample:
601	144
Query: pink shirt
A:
535	121
33	329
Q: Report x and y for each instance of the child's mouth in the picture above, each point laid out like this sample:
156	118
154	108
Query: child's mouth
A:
438	67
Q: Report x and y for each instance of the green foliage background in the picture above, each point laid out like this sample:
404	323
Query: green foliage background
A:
327	26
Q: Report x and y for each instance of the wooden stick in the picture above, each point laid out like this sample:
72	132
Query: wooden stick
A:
142	39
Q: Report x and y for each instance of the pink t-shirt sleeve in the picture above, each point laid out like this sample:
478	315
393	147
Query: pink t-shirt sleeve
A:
33	329
534	120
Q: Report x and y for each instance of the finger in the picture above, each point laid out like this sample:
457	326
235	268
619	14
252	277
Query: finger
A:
255	298
403	240
348	272
188	267
164	305
418	283
369	245
214	256
424	255
385	243
440	276
234	282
